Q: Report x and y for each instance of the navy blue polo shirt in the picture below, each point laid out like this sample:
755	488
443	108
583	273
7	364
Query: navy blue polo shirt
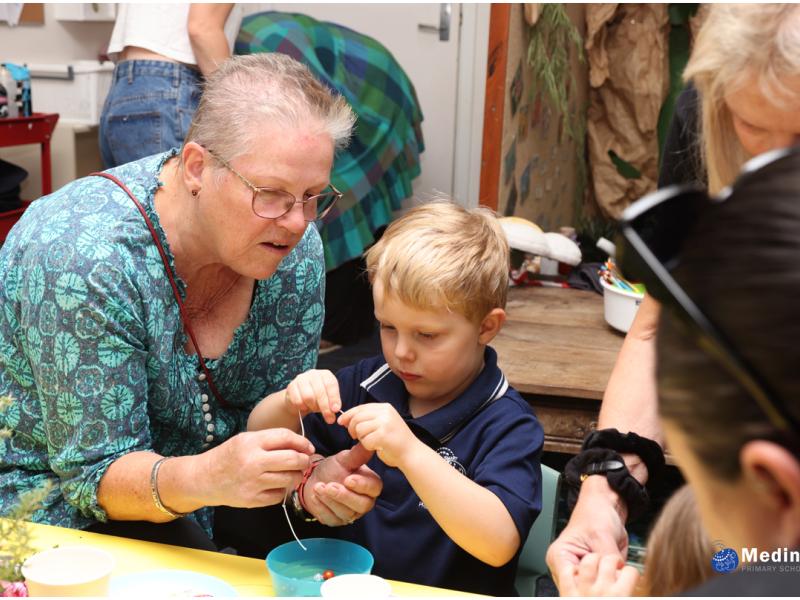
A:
489	433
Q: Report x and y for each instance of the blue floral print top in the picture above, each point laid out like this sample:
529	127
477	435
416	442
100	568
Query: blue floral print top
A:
92	345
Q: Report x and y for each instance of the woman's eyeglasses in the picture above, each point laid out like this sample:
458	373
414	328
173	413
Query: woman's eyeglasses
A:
272	203
653	231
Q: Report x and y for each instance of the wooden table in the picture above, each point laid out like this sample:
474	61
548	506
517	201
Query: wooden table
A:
557	350
249	576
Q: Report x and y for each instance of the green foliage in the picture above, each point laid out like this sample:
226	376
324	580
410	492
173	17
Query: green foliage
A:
5	403
15	546
553	38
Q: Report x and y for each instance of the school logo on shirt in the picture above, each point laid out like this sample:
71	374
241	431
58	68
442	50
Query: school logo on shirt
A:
450	457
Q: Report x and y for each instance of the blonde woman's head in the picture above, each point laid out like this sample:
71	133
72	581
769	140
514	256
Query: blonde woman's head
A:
441	255
746	67
249	92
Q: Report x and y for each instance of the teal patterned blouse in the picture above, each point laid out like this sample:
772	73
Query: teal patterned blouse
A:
92	346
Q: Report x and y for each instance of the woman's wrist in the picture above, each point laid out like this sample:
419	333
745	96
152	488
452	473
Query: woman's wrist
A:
636	467
184	483
595	489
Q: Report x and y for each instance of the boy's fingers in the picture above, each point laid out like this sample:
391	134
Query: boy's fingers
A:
607	569
305	392
320	396
332	389
587	570
365	484
356	456
626	583
566	579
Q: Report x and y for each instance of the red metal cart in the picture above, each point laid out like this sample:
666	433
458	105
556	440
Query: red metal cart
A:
36	129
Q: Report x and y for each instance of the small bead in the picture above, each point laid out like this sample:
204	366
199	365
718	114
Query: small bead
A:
201	377
206	408
207	417
204	397
209	438
210	427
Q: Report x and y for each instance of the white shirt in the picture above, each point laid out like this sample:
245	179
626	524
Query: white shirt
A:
162	28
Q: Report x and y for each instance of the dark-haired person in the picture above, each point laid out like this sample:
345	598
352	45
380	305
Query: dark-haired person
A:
727	357
745	100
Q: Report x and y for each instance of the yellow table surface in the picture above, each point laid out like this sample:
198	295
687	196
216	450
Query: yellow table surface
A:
249	576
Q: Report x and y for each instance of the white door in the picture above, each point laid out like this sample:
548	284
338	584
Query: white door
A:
444	84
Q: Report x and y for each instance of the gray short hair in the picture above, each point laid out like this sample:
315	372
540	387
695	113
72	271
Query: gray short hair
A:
264	88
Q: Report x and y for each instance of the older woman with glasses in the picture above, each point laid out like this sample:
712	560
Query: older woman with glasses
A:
147	309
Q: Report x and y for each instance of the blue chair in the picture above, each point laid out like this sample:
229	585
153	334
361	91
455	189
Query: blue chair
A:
532	564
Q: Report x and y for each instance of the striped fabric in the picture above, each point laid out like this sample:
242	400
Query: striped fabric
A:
376	170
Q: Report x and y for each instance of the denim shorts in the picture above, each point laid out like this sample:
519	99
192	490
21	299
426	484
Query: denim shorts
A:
148	109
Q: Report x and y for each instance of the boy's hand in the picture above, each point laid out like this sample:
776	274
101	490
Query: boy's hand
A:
598	575
379	427
314	391
342	488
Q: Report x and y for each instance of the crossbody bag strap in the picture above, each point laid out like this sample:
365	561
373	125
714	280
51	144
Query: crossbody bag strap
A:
181	308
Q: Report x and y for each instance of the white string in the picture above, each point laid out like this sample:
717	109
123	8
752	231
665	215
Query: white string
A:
286	495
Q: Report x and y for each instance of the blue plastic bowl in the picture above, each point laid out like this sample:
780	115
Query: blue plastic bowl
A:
293	569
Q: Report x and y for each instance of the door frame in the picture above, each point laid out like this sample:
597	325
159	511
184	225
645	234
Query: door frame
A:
473	51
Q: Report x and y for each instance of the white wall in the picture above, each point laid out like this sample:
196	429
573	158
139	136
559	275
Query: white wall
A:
55	41
74	152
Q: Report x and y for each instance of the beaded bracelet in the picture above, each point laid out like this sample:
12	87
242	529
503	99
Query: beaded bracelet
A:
154	490
298	493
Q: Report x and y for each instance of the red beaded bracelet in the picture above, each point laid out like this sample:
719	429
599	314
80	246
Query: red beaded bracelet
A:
302	485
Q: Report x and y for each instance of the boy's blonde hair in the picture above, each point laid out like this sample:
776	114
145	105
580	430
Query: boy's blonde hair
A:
738	41
442	255
678	549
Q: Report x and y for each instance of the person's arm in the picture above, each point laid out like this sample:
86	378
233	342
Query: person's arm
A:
481	525
313	391
207	35
630	403
248	470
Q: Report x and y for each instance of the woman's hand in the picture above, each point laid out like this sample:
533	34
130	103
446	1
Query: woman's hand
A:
597	525
379	427
342	488
314	391
254	468
598	575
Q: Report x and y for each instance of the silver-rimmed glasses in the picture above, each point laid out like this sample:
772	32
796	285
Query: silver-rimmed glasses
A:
272	203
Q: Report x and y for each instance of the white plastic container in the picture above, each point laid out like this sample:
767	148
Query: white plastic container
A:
356	586
620	306
79	99
69	571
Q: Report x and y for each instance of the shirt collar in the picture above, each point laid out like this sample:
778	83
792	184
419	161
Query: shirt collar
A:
443	423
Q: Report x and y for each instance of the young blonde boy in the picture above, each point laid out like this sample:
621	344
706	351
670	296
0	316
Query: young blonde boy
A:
457	449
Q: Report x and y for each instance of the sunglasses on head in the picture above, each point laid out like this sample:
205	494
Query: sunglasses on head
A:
652	232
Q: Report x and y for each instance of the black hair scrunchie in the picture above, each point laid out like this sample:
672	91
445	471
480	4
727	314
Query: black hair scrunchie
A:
600	456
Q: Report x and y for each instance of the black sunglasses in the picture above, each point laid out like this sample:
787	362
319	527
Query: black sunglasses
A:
652	233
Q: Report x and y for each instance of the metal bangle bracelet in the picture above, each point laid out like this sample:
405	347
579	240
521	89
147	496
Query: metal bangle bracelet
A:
154	490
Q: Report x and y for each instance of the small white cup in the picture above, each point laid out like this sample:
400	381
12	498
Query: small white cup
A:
356	586
69	571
